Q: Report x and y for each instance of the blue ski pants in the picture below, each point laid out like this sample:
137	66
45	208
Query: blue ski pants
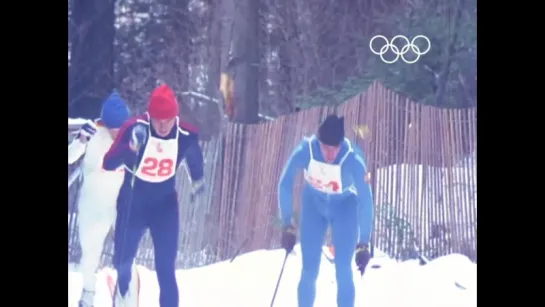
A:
162	219
316	215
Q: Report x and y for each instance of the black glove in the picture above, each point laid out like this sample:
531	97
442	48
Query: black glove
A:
288	238
362	257
87	130
197	188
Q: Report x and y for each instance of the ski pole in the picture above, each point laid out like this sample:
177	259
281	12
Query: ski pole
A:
279	278
125	224
239	249
243	244
422	260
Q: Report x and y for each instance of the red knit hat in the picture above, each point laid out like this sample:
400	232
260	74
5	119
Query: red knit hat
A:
163	104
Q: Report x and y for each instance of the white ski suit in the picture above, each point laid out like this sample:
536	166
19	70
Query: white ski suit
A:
96	203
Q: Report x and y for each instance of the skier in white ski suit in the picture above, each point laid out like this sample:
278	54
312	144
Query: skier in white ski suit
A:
98	194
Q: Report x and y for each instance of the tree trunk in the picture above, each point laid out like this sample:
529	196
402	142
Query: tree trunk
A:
178	43
445	71
214	48
209	113
246	48
91	73
286	50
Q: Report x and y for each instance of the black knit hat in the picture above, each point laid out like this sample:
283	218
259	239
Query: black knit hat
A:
331	131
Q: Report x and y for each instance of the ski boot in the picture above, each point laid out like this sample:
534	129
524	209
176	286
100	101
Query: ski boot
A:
86	299
130	299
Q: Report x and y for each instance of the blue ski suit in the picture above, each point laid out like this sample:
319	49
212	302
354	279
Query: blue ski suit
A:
152	201
335	194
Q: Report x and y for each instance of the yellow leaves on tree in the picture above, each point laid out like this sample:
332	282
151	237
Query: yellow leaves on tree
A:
362	131
227	91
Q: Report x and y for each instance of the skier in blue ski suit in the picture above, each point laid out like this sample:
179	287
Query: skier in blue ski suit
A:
335	193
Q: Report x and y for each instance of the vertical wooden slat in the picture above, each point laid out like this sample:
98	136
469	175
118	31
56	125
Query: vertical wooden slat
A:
451	166
427	214
382	197
414	179
436	190
420	212
459	187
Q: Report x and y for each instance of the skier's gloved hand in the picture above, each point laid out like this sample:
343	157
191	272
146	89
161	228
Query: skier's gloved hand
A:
86	131
197	188
289	236
362	257
138	137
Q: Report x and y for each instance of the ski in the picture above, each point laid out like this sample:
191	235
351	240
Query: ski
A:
329	253
112	284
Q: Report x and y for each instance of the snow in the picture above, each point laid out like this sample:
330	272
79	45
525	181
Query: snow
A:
76	121
251	278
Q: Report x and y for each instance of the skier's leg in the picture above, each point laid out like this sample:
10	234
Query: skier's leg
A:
313	227
93	227
164	230
129	228
344	231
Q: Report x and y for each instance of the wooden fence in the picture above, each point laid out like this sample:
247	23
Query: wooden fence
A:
422	162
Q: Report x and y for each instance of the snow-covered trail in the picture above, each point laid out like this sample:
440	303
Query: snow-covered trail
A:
251	278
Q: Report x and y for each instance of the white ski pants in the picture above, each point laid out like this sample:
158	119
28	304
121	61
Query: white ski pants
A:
95	221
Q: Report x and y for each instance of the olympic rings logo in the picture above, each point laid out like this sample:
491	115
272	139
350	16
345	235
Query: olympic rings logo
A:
400	53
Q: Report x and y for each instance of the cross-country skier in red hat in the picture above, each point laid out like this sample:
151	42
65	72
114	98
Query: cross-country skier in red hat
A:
151	147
